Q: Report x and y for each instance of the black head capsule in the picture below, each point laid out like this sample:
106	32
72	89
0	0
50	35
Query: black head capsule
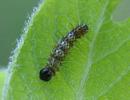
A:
46	73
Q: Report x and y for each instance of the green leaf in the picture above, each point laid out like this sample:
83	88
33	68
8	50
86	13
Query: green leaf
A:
96	68
2	78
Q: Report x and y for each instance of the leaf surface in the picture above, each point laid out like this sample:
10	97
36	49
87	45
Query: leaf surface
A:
96	68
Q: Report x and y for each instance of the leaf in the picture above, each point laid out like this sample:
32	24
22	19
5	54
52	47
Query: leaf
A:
96	68
2	78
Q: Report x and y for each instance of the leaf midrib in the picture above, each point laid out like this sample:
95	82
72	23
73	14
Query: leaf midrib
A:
89	61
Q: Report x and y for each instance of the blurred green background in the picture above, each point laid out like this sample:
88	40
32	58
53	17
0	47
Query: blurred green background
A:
13	14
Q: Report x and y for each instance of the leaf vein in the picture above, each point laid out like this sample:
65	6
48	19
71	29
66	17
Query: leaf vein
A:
118	79
112	51
79	94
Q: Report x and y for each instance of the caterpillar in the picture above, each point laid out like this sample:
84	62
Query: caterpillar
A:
60	51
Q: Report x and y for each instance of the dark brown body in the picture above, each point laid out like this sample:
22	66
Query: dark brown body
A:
60	51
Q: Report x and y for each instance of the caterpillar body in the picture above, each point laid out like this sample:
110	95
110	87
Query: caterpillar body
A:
60	51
